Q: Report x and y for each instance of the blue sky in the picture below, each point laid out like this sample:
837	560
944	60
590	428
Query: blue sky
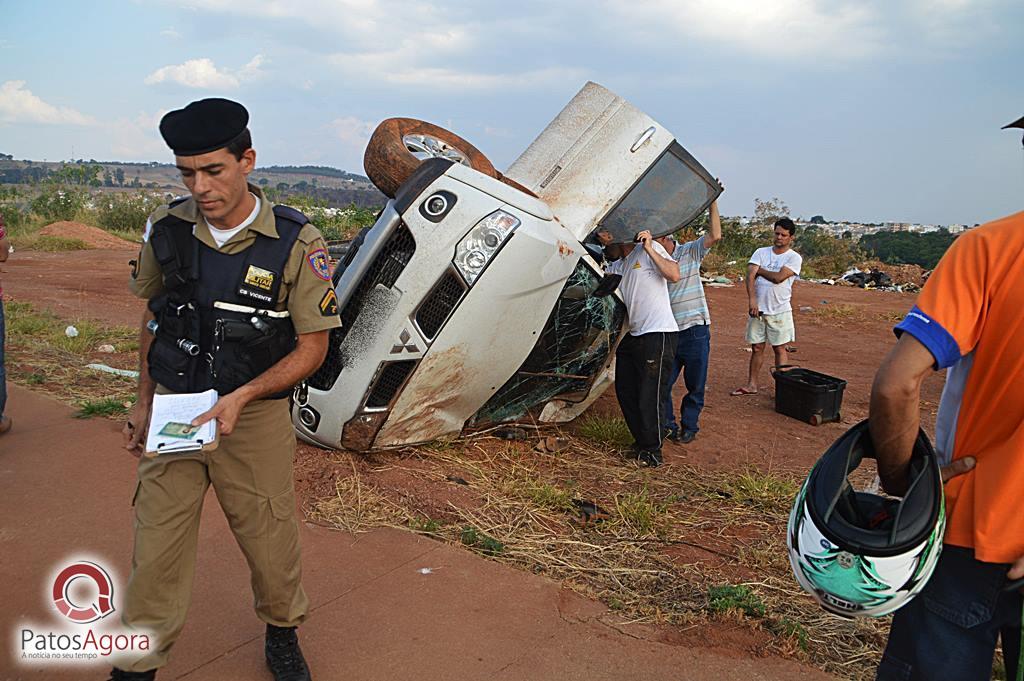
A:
869	110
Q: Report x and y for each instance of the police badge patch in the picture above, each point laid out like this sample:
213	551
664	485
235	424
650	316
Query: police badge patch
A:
260	278
329	304
318	263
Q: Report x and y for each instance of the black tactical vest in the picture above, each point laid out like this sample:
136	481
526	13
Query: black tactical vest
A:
216	324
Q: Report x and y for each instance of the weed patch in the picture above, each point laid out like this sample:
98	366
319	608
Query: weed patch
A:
107	407
612	432
55	244
722	599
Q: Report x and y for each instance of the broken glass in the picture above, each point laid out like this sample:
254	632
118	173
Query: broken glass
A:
572	349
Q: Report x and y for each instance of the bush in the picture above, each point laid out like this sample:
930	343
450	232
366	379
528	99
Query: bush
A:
334	223
126	212
59	202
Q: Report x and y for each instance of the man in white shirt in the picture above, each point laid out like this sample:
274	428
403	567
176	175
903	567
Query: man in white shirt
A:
770	275
643	360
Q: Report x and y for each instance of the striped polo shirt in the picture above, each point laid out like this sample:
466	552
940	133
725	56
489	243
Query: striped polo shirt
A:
687	295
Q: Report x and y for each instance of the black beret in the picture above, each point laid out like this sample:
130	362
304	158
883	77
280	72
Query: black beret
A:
1019	123
203	126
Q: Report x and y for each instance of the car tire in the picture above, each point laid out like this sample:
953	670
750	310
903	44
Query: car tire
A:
399	145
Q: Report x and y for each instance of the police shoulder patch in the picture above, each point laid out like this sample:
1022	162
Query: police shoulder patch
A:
319	264
329	304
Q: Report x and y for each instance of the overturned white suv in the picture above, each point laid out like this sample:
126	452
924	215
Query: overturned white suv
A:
471	300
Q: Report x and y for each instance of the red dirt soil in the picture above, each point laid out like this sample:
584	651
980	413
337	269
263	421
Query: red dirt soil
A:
92	237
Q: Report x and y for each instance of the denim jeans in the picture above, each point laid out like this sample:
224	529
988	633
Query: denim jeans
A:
3	372
949	630
691	359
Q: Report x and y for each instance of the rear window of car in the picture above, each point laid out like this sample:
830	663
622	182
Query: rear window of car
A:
669	196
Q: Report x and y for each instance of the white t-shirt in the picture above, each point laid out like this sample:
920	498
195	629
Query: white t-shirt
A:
774	298
645	292
221	236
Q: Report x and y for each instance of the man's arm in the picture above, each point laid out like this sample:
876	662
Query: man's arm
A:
138	423
668	267
308	354
752	270
894	412
776	277
714	234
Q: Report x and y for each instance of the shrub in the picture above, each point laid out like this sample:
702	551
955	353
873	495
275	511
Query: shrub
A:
59	202
126	212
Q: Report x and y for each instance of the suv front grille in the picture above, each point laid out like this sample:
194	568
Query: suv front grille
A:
385	270
389	379
438	306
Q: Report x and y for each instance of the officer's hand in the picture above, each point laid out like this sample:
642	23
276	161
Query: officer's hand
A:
226	411
135	429
957	467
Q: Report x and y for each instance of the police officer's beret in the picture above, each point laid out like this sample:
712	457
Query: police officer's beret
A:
204	126
1019	123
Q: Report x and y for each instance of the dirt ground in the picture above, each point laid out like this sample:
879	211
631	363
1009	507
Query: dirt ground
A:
841	331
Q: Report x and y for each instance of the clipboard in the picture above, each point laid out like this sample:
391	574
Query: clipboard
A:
170	429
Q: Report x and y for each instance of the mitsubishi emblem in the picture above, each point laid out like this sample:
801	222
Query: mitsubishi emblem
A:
404	344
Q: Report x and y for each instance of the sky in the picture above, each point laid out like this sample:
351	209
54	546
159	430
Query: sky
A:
865	110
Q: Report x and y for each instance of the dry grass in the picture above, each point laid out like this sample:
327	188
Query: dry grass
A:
837	313
526	519
41	355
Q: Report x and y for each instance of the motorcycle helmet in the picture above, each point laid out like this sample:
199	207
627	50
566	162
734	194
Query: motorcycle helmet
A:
862	554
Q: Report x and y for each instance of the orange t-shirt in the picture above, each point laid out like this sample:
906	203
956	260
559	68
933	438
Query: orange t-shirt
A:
970	316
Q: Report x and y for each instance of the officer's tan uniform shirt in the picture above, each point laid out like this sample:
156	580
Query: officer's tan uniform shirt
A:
303	292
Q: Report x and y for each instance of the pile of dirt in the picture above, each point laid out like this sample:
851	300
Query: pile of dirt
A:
901	274
92	237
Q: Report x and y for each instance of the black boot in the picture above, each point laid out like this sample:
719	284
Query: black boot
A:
284	657
118	675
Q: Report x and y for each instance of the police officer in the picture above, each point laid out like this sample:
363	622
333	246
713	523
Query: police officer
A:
240	300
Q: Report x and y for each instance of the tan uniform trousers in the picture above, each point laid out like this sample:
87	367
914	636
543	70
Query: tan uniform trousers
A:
251	472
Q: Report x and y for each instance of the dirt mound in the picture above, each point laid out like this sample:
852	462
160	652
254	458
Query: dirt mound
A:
92	237
901	274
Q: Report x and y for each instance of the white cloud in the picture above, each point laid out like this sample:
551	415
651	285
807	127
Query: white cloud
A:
352	131
170	33
137	138
781	28
19	105
204	74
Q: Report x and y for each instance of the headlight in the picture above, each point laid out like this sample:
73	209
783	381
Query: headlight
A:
482	242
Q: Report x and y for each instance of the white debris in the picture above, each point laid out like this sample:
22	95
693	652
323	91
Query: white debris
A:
106	348
71	332
111	370
426	571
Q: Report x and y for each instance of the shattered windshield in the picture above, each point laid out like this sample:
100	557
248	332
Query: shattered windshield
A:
668	197
571	351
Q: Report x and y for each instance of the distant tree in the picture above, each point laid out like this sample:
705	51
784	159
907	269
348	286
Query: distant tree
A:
282	186
108	181
768	211
119	176
818	220
847	234
264	182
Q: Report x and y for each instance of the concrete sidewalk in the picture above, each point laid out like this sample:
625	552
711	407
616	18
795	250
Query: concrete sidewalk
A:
67	487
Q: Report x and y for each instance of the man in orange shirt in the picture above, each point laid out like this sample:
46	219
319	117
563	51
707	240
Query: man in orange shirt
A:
968	319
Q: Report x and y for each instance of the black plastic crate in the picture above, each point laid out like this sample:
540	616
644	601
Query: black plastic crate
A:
808	396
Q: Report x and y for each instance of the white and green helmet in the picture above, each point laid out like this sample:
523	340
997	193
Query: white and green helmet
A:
861	554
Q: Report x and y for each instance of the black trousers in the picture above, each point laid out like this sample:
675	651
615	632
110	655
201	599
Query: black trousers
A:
643	366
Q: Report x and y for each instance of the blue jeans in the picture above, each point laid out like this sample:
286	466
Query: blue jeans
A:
949	630
3	372
691	359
